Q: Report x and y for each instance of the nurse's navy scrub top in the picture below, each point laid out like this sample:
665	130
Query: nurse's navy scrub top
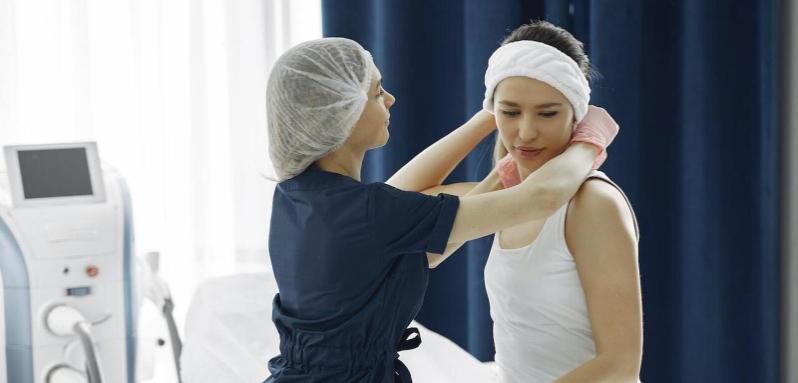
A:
351	268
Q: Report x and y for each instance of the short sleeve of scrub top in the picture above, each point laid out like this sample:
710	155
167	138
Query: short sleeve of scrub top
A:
410	222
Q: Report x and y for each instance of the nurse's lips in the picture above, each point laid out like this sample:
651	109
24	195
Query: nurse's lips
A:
528	151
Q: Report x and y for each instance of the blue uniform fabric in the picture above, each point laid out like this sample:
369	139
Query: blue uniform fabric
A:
351	267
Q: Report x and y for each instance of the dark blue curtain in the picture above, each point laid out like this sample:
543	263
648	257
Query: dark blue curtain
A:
695	86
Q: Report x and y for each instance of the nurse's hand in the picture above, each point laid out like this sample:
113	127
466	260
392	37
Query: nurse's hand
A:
508	171
597	128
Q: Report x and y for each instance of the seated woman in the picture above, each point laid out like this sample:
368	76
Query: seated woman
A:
564	290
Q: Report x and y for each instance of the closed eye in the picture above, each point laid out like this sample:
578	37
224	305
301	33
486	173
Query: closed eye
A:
548	114
510	113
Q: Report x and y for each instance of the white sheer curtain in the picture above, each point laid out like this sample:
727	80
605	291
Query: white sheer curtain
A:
174	94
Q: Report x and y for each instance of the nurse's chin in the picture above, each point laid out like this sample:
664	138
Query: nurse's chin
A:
382	142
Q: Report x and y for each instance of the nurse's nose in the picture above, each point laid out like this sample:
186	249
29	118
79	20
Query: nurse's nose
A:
389	100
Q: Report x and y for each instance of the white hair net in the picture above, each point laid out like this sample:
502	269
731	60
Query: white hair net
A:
317	91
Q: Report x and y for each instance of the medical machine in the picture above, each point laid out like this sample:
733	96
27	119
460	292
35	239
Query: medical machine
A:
68	310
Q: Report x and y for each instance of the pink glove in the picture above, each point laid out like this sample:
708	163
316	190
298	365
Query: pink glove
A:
508	171
597	128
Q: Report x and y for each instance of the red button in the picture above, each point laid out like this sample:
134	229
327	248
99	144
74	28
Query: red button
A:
92	271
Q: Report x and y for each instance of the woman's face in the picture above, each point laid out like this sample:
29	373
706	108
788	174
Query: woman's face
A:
371	130
535	121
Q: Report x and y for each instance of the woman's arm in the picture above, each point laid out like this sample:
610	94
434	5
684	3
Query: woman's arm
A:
601	236
430	167
539	196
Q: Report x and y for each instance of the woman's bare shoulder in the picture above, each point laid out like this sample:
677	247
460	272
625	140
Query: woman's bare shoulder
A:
598	211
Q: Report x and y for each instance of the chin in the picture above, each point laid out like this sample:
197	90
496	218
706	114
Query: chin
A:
529	164
387	137
381	143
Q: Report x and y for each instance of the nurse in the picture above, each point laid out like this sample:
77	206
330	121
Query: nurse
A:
351	259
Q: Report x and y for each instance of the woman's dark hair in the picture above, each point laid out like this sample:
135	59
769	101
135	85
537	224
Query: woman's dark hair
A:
550	34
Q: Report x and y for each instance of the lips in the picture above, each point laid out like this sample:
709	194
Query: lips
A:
528	151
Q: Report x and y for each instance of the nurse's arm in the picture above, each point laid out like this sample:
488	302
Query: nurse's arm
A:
490	183
430	167
537	197
459	189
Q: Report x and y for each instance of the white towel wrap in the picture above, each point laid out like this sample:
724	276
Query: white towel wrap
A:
541	62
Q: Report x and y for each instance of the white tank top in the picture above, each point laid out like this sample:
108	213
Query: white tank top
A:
541	326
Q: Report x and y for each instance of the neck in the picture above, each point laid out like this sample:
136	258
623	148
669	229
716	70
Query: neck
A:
342	161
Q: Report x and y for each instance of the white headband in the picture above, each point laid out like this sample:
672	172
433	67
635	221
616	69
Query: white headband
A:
541	62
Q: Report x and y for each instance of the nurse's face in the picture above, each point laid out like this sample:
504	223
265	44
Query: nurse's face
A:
371	130
535	121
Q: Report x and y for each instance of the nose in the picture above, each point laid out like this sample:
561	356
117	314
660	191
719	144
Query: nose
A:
389	99
527	131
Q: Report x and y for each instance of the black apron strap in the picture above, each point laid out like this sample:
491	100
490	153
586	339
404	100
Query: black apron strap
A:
401	373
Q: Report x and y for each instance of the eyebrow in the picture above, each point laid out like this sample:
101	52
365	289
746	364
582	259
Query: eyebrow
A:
541	106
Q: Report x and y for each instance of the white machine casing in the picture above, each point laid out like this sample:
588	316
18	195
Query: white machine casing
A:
79	254
2	334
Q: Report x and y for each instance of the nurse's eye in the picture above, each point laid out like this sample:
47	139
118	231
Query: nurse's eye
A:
381	92
510	113
548	114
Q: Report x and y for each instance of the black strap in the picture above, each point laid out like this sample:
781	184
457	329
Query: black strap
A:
401	373
407	343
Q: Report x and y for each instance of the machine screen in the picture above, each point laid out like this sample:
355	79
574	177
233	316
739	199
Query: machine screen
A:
78	291
55	173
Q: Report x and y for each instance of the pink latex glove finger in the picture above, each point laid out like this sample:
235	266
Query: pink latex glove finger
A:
599	160
508	171
597	128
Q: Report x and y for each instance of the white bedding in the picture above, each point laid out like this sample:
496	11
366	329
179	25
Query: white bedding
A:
229	337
